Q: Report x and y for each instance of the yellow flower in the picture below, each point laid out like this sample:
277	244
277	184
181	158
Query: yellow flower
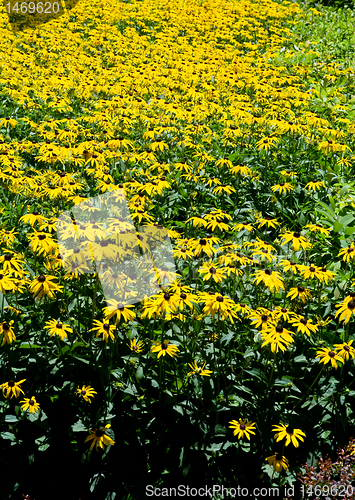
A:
135	346
315	185
271	279
99	438
327	355
242	428
12	388
348	252
298	241
282	187
291	434
57	328
278	461
299	291
30	404
105	328
165	348
43	285
346	310
199	371
345	350
211	272
8	333
86	392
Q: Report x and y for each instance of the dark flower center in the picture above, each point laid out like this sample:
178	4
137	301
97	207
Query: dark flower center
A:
106	326
300	289
303	321
264	317
312	269
242	427
99	433
203	242
83	393
351	304
284	310
31	402
268	272
35	213
331	354
279	329
289	429
11	383
346	348
213	270
59	325
42	279
164	346
296	235
183	296
219	298
166	296
42	237
8	256
278	457
104	243
6	326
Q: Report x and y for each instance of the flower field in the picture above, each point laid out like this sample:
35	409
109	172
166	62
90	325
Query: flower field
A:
229	127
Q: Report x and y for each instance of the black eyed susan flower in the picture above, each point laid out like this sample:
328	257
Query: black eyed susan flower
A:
12	388
277	337
104	328
346	310
268	221
318	228
298	241
86	392
348	252
299	291
315	185
44	285
33	218
285	187
8	332
99	438
30	404
311	271
209	272
304	325
119	310
278	461
262	317
57	328
326	355
136	346
6	283
284	313
165	348
242	428
243	225
43	243
271	279
289	265
204	245
345	350
196	370
291	434
11	262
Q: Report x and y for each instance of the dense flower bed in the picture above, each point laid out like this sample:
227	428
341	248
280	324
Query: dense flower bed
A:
213	125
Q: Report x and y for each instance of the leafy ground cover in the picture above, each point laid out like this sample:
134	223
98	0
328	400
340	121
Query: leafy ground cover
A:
229	124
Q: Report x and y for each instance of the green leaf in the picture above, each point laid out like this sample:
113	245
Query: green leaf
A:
78	426
8	435
11	418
